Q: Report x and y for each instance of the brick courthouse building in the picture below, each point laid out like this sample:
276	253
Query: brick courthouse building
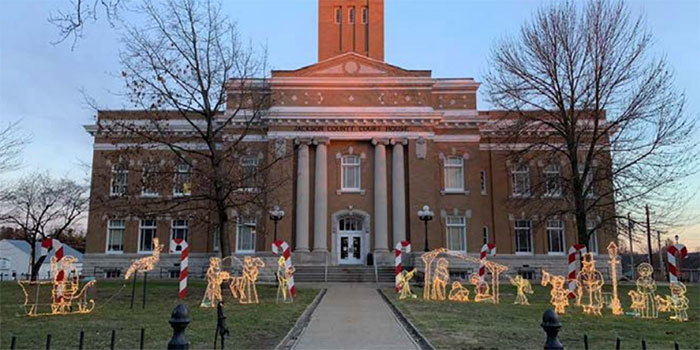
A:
368	144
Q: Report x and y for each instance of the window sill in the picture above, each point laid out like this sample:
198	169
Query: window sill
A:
524	253
248	190
179	195
150	195
350	191
115	252
517	196
117	195
241	252
556	253
546	196
483	193
144	252
454	191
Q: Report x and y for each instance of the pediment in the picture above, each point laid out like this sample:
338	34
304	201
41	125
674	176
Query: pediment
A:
352	65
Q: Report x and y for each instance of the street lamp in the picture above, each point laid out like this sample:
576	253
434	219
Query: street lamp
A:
425	215
276	214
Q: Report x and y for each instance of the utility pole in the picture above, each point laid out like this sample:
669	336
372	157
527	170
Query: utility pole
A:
649	235
661	257
630	225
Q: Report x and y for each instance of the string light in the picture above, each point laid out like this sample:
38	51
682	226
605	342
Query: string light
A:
440	279
67	297
458	293
615	303
145	264
559	293
428	259
284	274
591	282
676	302
482	291
404	284
215	277
243	287
644	299
523	286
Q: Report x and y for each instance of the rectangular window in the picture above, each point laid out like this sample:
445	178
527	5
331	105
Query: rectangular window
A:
523	237
338	15
482	181
457	233
552	180
520	175
592	228
115	236
182	185
120	176
555	236
350	173
587	181
215	240
179	229
147	231
351	15
485	234
454	174
150	180
245	235
365	15
250	172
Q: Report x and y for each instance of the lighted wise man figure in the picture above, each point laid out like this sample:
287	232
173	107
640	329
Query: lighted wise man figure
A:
482	291
523	286
440	278
250	276
212	295
559	294
591	282
404	284
646	288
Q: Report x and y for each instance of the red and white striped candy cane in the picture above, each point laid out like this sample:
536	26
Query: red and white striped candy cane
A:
47	245
184	262
486	249
573	267
401	246
282	246
671	257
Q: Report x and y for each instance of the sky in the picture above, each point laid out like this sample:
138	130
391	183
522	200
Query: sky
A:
42	84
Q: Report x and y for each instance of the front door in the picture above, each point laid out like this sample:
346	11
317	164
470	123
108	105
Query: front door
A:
350	235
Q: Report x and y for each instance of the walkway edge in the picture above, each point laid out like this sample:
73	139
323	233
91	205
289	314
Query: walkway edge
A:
417	336
292	336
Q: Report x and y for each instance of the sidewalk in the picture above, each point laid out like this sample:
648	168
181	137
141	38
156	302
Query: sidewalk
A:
353	316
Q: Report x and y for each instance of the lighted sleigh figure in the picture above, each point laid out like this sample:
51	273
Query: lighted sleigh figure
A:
67	296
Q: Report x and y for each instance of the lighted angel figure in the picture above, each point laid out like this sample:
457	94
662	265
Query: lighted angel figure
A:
591	282
441	277
404	284
215	277
646	288
243	287
284	274
559	294
458	293
676	302
482	291
523	286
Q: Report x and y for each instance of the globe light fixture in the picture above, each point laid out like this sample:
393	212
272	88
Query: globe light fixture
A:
276	214
425	215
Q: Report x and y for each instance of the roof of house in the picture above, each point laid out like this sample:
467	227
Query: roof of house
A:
24	247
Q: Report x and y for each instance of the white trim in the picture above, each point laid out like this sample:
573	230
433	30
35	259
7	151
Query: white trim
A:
357	165
457	138
253	223
108	236
154	227
352	135
346	110
463	227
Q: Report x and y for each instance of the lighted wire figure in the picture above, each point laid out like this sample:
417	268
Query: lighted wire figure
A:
428	259
404	284
676	302
523	286
243	287
482	291
615	303
146	264
559	293
644	298
441	277
215	277
283	276
458	293
591	281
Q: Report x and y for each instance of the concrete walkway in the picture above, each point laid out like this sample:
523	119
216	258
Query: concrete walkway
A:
353	316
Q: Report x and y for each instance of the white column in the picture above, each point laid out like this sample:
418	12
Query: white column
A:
380	197
321	198
302	210
398	196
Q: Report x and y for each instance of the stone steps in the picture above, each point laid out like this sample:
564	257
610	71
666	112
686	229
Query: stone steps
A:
343	274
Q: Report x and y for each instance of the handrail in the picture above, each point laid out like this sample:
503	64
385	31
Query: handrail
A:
376	274
325	273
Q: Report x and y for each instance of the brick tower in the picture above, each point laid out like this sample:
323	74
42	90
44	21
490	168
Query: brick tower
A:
351	26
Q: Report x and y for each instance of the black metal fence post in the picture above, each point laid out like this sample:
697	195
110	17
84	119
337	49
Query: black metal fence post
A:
675	346
48	342
81	340
13	343
585	341
644	344
179	321
143	336
113	340
551	326
617	344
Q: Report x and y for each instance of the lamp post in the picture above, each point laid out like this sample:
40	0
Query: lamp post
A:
276	214
425	215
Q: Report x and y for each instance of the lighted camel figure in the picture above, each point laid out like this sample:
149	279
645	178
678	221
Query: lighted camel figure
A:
676	302
591	281
215	277
284	274
441	277
404	284
559	294
458	293
145	264
523	286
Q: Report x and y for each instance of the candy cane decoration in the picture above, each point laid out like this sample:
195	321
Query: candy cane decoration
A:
47	245
573	252
278	246
486	249
401	246
184	257
671	257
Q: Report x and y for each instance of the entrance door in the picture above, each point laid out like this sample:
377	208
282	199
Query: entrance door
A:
350	235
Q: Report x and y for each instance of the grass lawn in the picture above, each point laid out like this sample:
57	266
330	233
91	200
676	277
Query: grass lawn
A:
259	326
450	325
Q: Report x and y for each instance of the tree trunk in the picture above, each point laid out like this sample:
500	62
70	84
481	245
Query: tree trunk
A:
33	269
222	217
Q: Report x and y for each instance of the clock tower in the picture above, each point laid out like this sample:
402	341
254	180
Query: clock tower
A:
351	26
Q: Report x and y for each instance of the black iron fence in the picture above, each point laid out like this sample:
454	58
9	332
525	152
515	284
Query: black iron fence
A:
81	340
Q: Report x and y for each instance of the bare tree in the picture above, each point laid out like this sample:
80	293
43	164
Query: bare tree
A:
71	23
40	206
11	144
200	96
584	95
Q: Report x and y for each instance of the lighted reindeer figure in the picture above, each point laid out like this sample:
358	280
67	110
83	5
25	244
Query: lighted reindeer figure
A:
559	293
145	264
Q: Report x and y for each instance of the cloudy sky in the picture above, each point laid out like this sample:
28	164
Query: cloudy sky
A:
41	83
